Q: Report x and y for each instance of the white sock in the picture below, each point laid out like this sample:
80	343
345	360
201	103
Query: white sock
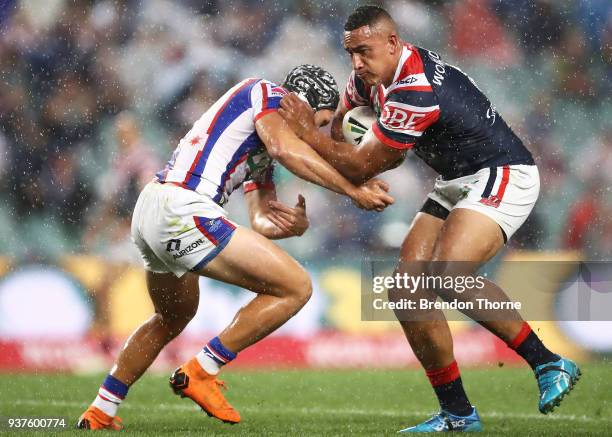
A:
209	365
107	402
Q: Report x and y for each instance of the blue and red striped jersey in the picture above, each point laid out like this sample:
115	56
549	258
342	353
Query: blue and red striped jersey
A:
222	150
438	111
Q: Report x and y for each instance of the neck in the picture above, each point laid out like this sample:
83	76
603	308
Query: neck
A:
389	80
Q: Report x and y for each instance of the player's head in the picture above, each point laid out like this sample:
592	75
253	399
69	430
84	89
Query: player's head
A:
371	39
316	86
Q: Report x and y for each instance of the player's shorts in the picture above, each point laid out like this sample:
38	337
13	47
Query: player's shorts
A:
506	194
178	230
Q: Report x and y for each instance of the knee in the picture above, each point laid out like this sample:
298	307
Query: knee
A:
301	288
428	333
175	322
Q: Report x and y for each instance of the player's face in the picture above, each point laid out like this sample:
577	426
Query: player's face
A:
323	117
372	54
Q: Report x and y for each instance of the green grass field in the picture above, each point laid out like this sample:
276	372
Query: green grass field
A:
290	403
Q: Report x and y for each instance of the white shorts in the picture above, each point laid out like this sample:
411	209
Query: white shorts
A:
178	230
506	194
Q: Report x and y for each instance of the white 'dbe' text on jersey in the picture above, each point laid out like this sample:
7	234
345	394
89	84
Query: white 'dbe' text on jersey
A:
402	118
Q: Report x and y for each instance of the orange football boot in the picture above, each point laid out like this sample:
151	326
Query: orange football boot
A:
94	418
191	381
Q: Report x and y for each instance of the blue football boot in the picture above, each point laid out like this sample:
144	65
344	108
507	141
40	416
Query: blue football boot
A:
555	380
445	422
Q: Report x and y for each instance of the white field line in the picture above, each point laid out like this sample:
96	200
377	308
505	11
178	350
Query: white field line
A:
313	411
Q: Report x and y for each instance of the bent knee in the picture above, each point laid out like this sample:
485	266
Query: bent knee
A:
301	287
175	323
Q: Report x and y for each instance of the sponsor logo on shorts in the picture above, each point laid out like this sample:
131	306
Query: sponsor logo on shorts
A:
464	191
493	201
213	225
188	249
174	244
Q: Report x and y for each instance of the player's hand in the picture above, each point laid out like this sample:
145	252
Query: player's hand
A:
298	114
372	195
292	221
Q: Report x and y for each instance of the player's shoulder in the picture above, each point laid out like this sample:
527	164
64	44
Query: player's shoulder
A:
410	78
266	97
267	87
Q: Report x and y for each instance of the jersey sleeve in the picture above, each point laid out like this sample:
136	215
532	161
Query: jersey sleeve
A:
265	180
356	92
266	97
405	116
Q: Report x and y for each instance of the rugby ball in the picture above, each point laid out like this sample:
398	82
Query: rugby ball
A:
356	123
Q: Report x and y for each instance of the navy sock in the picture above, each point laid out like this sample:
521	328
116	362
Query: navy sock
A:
448	386
531	349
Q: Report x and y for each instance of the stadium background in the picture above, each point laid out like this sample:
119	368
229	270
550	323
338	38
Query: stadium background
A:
94	96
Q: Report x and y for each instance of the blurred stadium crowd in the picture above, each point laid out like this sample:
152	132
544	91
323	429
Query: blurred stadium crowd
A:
94	96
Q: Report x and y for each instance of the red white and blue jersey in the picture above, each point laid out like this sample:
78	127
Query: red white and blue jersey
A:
222	150
438	111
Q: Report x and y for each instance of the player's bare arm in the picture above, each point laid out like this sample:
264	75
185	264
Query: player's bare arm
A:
358	164
283	145
183	194
336	122
273	219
